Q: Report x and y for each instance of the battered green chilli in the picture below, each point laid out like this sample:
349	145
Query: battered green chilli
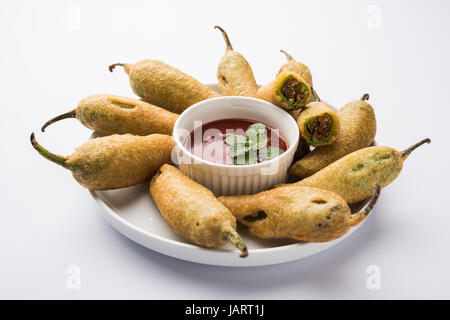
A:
302	70
288	91
234	74
353	176
318	124
162	85
193	212
115	161
296	67
300	213
109	114
357	130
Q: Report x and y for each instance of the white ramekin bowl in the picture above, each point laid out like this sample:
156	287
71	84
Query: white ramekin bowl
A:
235	179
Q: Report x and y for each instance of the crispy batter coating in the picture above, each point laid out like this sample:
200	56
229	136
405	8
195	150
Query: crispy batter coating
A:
119	161
192	211
164	86
357	130
273	91
294	212
111	114
316	131
234	74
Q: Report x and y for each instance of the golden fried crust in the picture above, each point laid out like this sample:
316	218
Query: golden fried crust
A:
190	209
301	213
299	68
235	76
317	109
162	85
353	176
110	114
271	91
357	130
119	161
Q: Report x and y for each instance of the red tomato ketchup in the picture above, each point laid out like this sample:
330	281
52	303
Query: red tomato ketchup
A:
236	142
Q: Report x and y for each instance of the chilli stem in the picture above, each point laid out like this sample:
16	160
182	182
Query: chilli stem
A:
225	36
47	154
408	151
70	114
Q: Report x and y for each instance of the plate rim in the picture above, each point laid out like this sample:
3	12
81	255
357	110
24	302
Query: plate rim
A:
247	262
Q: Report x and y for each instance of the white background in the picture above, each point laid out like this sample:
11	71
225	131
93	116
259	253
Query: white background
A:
53	53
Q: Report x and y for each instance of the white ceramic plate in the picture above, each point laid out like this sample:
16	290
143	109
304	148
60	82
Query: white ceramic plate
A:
132	212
